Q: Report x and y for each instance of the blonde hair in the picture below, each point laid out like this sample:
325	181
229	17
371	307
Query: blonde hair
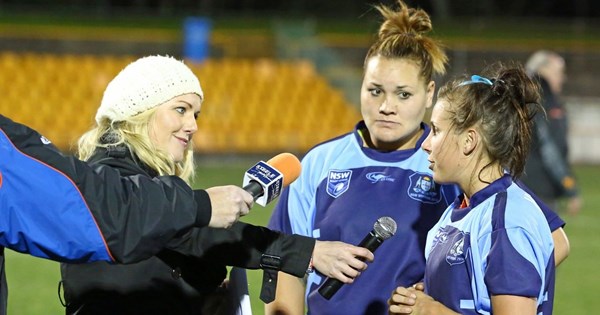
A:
134	133
402	35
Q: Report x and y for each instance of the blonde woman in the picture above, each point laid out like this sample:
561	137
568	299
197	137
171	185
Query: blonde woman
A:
144	129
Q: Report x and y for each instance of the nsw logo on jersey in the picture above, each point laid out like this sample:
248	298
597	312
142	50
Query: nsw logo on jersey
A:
423	189
376	177
453	242
338	182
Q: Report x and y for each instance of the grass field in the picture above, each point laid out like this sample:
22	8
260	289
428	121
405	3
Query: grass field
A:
33	283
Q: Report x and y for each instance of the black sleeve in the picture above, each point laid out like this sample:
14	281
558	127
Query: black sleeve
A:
204	207
248	246
556	166
138	215
74	213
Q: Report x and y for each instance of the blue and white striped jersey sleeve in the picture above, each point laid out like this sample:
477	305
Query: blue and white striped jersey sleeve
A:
520	248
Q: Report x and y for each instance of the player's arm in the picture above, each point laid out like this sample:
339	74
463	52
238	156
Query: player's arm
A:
289	293
562	247
513	305
289	297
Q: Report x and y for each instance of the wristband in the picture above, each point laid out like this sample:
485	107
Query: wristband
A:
311	267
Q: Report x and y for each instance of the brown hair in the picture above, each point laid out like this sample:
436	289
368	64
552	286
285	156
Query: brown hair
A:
503	112
402	35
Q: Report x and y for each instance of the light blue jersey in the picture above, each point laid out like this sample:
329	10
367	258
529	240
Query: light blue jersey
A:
343	189
500	245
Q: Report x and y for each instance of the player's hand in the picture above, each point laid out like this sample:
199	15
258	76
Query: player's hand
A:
402	301
419	286
415	302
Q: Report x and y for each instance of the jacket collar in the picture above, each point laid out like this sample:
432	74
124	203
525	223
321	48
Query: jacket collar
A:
121	158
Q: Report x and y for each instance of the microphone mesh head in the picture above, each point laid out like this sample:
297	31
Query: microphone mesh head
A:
385	227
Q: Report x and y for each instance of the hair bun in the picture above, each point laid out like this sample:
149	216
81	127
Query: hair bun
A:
499	86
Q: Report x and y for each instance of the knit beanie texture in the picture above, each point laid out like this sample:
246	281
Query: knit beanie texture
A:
146	83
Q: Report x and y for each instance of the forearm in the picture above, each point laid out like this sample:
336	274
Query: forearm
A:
247	246
439	309
289	299
513	305
562	247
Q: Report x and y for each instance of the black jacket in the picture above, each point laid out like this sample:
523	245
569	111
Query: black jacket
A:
547	171
177	279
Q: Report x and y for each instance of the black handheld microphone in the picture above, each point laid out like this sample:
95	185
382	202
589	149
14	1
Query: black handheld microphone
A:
384	228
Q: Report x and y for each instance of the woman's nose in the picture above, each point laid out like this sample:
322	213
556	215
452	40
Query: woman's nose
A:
191	126
426	145
386	107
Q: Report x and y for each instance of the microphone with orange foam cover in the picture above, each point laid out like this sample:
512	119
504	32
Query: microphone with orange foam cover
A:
288	164
264	181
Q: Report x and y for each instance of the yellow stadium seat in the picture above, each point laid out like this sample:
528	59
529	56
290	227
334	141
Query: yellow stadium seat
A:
250	106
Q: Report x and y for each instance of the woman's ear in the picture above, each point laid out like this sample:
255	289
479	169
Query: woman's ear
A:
470	141
430	93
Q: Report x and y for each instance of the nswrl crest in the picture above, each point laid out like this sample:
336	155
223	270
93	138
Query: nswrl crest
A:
454	243
423	189
338	182
456	252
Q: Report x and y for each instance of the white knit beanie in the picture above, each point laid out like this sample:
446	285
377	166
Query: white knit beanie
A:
144	84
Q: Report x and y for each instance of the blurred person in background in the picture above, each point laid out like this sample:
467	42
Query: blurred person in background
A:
377	170
144	129
492	250
548	171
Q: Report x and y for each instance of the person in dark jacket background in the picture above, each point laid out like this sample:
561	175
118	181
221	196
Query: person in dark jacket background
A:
548	171
144	129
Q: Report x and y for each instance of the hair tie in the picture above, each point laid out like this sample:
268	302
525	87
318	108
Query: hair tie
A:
477	79
499	81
